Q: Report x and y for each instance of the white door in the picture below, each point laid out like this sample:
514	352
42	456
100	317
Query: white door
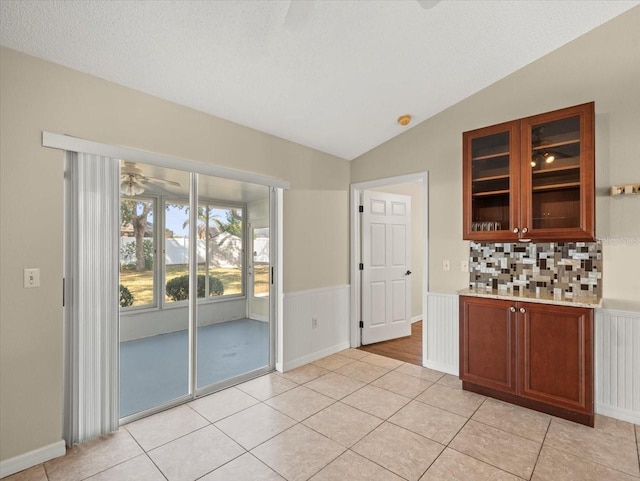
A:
386	269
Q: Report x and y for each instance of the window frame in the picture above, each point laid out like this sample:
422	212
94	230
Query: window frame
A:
159	260
155	304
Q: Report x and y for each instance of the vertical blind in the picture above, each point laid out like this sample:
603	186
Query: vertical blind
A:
92	297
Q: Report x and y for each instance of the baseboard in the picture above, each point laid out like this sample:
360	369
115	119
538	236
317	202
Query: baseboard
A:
622	414
32	458
437	366
416	319
314	356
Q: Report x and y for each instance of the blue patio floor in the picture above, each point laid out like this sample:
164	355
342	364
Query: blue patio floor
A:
154	370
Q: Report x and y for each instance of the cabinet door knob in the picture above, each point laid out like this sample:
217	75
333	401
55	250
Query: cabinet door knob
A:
516	230
523	310
512	309
525	230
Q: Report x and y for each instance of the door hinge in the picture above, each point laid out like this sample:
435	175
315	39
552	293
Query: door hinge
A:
63	285
361	267
361	324
272	276
361	209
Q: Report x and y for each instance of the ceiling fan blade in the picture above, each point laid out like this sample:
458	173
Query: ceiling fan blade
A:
164	181
154	186
298	14
427	4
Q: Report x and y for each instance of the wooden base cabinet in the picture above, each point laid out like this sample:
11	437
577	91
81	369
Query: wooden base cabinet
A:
536	355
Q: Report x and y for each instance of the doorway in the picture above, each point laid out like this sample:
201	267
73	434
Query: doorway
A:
407	349
416	187
180	232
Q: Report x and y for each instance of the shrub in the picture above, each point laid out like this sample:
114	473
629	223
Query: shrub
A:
126	298
178	288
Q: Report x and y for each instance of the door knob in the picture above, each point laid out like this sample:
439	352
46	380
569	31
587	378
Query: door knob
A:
523	310
516	230
408	273
525	230
512	309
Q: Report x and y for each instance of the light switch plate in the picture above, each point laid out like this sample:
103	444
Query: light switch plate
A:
446	265
464	266
31	278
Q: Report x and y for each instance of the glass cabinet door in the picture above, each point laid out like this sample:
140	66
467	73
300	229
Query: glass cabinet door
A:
490	167
558	174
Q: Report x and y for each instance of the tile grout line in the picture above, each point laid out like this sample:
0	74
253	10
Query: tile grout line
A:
335	401
469	419
635	431
535	465
147	454
448	445
387	420
589	459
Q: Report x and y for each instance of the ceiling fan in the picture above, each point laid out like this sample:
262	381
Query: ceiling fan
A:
299	11
134	182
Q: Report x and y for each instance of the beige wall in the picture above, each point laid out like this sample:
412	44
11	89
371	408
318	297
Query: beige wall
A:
413	190
603	66
36	96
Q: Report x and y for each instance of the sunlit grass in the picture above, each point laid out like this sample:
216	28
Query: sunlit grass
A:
140	284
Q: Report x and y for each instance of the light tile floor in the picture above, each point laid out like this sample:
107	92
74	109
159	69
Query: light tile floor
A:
352	416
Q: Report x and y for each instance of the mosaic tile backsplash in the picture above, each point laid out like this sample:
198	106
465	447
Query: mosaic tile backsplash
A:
567	268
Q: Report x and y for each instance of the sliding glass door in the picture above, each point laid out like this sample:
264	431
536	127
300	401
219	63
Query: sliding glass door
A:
195	297
229	342
154	313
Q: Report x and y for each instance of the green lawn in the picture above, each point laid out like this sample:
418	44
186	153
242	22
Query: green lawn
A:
141	283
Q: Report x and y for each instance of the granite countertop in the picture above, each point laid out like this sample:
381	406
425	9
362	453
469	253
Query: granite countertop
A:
542	298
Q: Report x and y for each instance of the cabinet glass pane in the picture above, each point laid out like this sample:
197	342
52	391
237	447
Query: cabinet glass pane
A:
490	182
555	174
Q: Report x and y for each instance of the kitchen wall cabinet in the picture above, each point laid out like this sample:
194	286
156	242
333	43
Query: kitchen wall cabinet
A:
536	355
531	178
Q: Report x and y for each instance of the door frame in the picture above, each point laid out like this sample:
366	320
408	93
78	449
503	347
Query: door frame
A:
355	238
276	186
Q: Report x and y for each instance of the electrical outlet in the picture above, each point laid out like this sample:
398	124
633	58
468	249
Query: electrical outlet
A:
31	278
464	266
446	265
314	322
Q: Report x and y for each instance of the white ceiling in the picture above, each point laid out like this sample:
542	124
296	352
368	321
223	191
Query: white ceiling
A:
335	82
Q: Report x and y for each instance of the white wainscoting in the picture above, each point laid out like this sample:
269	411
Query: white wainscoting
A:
617	364
302	342
617	353
440	344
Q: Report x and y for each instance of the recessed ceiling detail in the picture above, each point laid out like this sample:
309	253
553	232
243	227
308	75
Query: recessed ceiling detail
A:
238	60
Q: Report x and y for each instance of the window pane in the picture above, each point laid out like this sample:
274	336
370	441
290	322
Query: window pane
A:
176	251
224	250
261	262
136	252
